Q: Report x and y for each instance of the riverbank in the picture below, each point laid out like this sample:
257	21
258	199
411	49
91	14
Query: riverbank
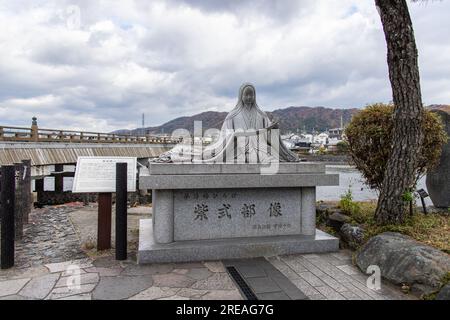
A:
332	159
431	229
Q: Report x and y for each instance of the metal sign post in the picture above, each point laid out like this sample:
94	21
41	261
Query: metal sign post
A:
121	211
423	194
7	199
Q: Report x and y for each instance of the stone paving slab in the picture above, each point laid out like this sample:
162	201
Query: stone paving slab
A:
39	287
11	287
329	276
332	276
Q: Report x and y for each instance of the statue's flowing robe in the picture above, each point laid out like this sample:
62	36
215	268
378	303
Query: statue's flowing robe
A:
244	138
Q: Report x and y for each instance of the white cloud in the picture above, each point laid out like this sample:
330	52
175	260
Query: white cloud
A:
173	58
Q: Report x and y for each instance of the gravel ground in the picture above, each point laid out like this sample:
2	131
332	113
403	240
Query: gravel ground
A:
49	237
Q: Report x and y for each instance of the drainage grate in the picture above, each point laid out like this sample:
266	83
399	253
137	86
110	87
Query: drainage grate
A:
243	286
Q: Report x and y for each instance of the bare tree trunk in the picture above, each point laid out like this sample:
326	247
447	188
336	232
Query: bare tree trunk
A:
408	112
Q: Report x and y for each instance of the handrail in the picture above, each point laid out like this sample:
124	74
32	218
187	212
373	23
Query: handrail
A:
12	133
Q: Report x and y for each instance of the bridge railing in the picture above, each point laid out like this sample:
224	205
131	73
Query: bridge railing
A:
35	134
15	133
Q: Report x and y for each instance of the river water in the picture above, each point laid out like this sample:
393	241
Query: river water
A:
349	177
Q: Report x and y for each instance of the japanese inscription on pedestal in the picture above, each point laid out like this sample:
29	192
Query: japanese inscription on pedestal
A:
234	213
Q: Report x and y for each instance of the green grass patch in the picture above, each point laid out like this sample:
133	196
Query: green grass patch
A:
444	281
431	229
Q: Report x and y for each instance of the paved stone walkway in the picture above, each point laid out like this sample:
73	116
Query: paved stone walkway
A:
332	276
51	244
105	278
319	276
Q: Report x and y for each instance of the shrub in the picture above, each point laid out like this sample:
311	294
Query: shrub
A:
342	147
369	135
322	150
347	205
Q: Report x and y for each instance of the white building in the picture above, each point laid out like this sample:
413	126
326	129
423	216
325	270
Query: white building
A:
321	139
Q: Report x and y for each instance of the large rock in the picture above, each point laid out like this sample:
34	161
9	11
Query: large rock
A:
352	235
444	294
336	220
403	260
438	180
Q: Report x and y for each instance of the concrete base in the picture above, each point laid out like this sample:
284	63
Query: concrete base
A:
251	247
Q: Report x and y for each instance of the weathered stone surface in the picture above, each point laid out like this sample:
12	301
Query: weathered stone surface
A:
49	237
151	252
175	297
122	287
105	272
15	297
66	291
218	281
85	278
154	293
222	295
283	180
444	293
198	273
404	260
438	179
215	266
222	213
22	273
11	287
105	262
323	209
336	220
84	296
352	235
191	293
190	168
140	270
180	271
348	269
172	280
62	266
40	287
70	272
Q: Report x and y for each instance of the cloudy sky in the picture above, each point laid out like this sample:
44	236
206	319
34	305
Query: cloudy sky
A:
98	65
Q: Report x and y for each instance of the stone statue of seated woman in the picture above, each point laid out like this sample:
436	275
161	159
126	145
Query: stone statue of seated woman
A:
247	136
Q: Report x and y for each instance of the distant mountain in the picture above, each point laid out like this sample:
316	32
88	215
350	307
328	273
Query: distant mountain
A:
311	118
291	119
443	107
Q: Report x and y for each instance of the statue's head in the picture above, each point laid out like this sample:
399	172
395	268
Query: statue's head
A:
247	94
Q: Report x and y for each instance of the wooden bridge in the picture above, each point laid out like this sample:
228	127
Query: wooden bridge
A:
51	148
36	134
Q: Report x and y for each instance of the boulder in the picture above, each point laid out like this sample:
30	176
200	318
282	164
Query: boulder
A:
336	220
322	208
402	260
444	294
438	179
352	235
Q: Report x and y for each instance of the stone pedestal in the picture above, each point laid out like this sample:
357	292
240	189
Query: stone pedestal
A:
223	211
